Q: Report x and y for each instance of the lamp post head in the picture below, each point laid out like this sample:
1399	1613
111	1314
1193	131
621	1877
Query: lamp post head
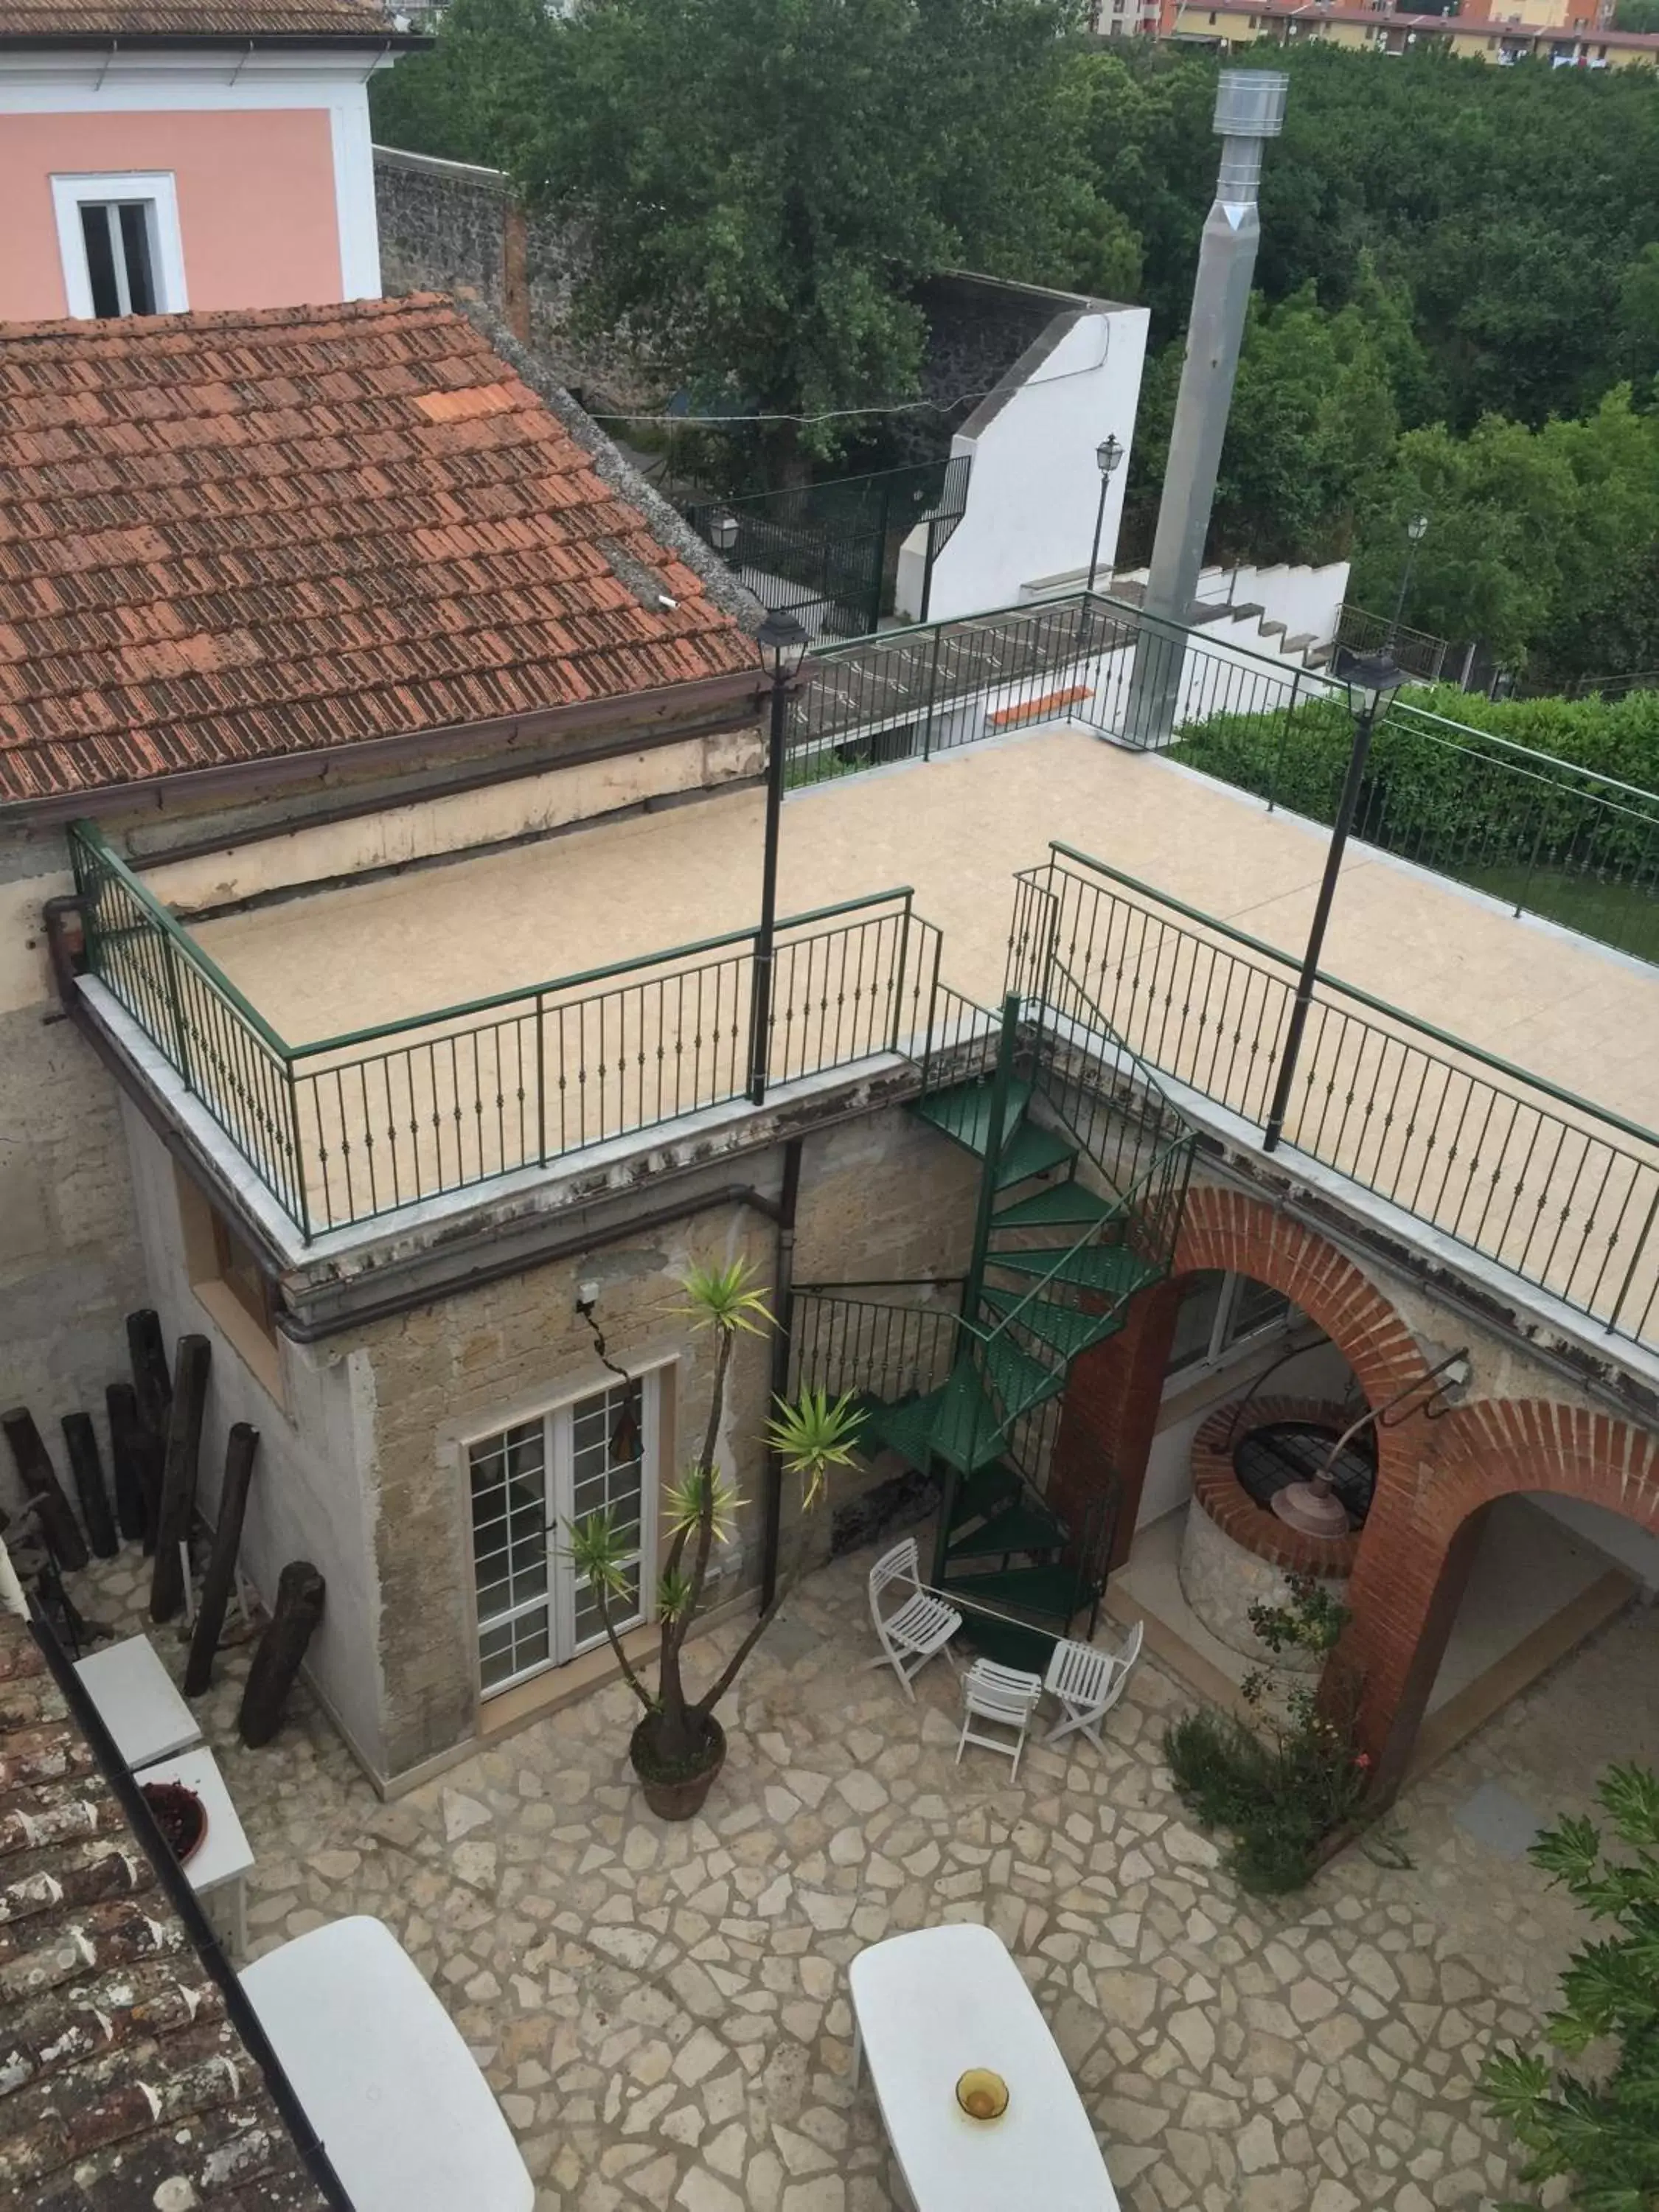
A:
782	643
1108	454
723	531
1418	528
1373	680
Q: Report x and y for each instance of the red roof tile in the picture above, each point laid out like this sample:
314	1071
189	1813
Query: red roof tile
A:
75	19
229	536
123	2082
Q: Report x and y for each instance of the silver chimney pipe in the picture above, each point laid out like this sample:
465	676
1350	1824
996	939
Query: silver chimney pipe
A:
1249	109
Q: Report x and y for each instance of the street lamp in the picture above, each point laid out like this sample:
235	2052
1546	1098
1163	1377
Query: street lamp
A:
1108	453
1373	680
782	643
723	533
1416	531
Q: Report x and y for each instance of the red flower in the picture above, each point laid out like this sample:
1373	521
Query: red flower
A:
1362	1758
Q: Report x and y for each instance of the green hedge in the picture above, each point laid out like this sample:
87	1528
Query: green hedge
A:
1441	797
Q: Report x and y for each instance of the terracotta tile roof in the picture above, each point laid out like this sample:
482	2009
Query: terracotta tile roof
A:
122	2083
193	19
228	537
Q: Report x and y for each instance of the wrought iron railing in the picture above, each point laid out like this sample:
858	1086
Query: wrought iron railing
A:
1556	1190
347	1128
910	693
1543	834
1418	651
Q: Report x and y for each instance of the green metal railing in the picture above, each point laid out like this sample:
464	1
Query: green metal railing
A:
1547	837
909	693
1560	1193
347	1128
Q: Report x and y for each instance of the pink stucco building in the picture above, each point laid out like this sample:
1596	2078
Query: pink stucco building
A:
157	155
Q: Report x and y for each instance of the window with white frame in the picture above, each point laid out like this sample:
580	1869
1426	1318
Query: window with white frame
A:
528	1484
1221	1313
118	239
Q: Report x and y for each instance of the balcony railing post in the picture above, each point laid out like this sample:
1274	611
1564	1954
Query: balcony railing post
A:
933	694
296	1159
901	971
1284	740
176	1010
541	1079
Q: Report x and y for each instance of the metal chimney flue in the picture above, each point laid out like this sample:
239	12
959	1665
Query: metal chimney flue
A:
1249	109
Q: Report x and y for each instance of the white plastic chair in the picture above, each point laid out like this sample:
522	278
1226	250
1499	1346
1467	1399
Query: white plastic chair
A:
923	1625
1087	1683
1000	1694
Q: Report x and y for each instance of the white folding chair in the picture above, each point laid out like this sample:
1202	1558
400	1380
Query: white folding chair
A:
1003	1695
1087	1683
921	1625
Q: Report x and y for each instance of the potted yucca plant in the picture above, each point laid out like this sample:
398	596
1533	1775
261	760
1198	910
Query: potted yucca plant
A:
679	1747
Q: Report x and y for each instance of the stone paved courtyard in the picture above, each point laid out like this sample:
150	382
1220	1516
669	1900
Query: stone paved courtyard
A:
662	2010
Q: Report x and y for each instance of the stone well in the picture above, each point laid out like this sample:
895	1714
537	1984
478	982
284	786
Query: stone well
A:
1235	1553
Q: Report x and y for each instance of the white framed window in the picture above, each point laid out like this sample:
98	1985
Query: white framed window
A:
1221	1312
528	1484
118	239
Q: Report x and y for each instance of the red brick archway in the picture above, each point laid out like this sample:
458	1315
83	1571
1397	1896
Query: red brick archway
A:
1421	1535
1112	1399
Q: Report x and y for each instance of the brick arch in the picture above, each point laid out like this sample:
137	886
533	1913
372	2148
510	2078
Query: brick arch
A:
1224	1228
1422	1534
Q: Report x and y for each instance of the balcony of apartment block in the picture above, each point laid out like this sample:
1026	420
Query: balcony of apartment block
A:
974	807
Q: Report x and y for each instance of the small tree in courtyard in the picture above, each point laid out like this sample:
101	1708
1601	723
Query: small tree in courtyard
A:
678	1745
1599	2128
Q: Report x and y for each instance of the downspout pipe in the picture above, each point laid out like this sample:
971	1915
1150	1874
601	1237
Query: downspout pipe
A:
783	1315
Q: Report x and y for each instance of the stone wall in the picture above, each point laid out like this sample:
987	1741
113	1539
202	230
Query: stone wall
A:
70	1269
880	1198
452	227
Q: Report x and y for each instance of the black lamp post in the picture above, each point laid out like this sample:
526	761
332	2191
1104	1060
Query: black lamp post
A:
782	643
1373	680
1416	531
1108	453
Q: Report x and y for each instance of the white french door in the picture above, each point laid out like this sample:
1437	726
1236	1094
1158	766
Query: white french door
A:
529	1483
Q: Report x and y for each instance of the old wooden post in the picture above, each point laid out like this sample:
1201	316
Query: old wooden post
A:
221	1576
298	1607
38	1478
154	1389
166	1581
81	1440
126	1451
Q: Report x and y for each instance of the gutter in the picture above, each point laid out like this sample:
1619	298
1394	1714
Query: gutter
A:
318	762
105	42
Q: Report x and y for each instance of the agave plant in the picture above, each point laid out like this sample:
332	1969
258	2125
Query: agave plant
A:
812	1434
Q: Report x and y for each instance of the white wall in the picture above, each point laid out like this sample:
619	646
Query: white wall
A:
307	1500
1625	1544
1035	489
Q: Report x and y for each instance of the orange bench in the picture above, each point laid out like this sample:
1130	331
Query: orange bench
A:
1034	710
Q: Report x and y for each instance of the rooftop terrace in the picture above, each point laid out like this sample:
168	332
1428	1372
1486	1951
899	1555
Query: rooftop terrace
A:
1491	1074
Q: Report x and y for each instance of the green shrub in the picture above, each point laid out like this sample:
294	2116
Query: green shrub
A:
1601	2129
1443	797
1281	1786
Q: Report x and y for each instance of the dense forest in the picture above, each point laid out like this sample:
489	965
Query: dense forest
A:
1458	291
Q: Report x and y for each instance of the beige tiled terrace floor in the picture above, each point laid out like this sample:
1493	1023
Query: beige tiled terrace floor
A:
663	2010
956	828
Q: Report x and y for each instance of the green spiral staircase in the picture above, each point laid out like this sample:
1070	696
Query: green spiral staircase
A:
1084	1170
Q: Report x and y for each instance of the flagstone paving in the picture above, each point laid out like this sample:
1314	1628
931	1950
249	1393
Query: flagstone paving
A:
662	2010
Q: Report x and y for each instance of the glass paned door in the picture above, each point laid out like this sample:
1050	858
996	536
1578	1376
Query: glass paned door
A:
528	1484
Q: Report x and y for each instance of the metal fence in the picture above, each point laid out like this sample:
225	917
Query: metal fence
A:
1418	651
1561	1194
346	1128
821	551
910	693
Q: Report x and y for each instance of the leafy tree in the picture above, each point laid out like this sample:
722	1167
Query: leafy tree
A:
763	181
1599	2128
476	95
1635	16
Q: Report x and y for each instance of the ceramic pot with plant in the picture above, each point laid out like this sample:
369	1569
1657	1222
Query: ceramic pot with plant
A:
677	1746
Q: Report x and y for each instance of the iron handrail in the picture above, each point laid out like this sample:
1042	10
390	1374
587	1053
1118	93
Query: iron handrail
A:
560	984
1546	762
1460	1045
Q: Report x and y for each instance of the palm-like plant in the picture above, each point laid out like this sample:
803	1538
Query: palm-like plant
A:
811	1434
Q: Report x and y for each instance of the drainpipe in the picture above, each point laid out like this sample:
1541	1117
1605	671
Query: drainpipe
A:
783	1314
1249	110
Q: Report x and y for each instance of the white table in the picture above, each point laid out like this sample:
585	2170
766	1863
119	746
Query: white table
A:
929	2005
137	1703
404	2113
219	1871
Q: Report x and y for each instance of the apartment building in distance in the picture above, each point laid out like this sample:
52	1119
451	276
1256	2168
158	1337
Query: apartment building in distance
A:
1565	33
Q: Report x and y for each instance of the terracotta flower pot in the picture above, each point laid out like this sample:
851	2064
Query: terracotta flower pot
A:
675	1789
